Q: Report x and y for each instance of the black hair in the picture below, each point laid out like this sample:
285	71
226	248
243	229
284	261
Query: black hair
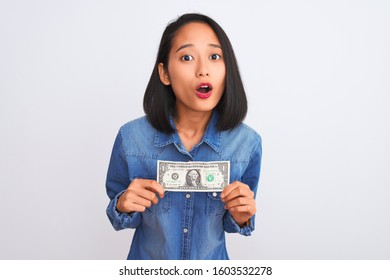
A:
159	99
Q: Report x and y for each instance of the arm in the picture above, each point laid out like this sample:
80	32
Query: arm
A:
239	197
128	198
116	184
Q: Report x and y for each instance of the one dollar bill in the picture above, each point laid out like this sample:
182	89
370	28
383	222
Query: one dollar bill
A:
194	176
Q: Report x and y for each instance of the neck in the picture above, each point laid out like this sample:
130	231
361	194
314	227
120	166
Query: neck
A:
191	126
192	122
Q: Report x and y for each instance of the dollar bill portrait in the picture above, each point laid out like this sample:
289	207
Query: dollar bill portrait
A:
193	178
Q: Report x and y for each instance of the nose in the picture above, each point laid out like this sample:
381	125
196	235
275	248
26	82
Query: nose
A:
202	70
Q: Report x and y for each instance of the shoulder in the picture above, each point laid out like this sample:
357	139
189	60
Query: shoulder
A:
136	123
137	133
139	125
244	133
242	138
240	145
249	132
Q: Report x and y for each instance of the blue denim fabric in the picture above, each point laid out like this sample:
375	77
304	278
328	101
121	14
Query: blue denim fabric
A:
182	225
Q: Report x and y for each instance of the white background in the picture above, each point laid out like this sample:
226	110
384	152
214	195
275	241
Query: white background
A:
317	75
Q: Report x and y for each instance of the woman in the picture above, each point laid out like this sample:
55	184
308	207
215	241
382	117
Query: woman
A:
195	104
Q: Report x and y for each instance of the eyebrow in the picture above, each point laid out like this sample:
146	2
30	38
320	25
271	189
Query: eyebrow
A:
192	45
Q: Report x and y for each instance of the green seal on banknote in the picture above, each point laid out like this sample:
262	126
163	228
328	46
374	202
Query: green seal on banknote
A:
210	178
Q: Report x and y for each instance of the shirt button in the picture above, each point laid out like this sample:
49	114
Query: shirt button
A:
214	194
188	195
185	230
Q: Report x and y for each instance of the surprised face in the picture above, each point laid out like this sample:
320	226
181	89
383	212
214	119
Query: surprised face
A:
196	69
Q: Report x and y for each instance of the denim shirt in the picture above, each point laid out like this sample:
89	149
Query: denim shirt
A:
182	225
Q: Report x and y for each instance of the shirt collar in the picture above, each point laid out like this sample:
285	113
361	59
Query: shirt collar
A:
212	136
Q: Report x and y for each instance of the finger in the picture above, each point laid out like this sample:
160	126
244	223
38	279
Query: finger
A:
241	190
155	187
250	210
143	194
226	191
238	201
135	208
141	184
131	202
140	197
138	200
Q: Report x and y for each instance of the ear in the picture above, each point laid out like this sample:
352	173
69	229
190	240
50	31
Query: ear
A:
163	73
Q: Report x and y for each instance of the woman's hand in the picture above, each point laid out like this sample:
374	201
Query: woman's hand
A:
139	195
240	201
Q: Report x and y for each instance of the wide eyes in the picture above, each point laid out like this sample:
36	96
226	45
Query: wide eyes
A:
188	57
215	56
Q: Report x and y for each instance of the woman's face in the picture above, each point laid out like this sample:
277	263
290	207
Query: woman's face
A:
196	68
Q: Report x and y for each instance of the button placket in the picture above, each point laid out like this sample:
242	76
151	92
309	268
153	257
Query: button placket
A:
187	216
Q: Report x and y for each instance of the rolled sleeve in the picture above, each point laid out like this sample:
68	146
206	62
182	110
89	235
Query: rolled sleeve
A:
231	226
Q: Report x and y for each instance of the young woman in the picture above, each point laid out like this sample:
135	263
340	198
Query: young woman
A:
195	104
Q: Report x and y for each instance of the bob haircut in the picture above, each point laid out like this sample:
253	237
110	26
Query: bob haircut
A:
159	100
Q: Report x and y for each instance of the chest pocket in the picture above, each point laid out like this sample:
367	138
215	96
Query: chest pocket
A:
214	205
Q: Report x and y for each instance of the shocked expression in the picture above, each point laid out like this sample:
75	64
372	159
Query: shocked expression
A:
196	69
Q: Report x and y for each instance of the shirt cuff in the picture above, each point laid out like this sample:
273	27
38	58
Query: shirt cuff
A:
232	226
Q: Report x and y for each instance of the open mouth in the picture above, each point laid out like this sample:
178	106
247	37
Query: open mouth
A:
204	90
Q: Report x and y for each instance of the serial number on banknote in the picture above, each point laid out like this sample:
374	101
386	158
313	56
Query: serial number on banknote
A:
194	176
